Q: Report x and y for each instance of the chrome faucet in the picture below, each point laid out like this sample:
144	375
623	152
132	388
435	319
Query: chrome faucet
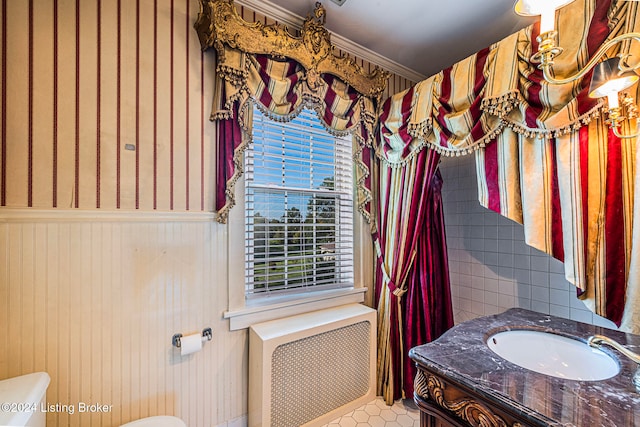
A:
597	340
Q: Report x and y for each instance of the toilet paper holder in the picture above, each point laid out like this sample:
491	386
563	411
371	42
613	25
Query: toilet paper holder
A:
206	333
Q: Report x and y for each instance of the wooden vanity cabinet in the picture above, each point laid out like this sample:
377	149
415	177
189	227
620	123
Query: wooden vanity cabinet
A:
443	403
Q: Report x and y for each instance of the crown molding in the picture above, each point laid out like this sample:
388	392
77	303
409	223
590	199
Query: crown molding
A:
283	16
219	24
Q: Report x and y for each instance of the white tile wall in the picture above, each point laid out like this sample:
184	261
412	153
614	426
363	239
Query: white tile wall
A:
491	267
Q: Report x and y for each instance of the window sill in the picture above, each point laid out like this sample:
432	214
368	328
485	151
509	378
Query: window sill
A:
271	308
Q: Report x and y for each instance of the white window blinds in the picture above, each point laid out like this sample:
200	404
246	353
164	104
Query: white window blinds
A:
298	207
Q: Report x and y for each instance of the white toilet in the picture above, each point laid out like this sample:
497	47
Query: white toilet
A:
159	421
28	394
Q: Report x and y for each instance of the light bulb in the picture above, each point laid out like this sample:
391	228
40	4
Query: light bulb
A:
545	8
612	97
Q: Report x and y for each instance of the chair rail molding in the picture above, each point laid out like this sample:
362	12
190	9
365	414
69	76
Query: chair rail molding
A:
87	215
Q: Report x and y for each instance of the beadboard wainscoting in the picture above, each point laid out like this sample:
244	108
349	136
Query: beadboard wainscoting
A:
95	303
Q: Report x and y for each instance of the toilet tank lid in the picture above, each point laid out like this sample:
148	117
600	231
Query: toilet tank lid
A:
25	389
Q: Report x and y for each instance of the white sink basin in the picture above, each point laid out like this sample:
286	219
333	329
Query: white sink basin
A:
554	355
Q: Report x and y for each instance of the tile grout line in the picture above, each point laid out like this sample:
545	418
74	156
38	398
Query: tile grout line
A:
377	414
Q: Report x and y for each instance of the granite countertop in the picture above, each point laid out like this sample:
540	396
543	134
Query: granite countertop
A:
462	356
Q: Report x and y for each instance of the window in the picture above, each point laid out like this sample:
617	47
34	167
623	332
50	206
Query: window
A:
298	207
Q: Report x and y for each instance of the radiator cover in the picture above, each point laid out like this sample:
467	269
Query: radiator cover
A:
309	369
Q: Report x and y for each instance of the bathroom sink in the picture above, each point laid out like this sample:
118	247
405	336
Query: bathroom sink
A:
554	355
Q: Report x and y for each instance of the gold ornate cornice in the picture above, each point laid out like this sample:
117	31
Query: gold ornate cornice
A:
218	24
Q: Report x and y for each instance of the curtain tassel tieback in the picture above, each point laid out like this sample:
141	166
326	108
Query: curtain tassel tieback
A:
399	292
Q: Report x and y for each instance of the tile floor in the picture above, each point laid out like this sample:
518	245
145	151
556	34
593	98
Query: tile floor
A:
403	413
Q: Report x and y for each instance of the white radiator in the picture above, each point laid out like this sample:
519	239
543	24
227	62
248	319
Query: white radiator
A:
308	369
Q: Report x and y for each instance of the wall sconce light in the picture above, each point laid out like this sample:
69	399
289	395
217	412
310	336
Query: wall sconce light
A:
608	80
610	77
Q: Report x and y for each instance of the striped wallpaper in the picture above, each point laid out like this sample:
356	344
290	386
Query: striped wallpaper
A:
105	105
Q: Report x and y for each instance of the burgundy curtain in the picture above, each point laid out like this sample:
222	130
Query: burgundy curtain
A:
229	142
427	304
412	291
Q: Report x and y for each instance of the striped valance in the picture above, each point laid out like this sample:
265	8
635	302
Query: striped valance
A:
281	89
467	105
545	156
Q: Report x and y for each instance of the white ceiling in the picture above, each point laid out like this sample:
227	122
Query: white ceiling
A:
423	35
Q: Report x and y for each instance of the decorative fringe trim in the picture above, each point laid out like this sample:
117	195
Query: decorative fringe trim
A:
570	127
227	112
232	75
421	129
238	157
502	105
361	184
238	78
238	162
467	146
247	140
316	104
